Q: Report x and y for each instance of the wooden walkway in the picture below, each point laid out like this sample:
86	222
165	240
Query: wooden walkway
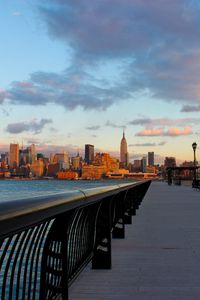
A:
160	257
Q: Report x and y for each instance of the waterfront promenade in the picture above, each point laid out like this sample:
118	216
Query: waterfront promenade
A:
159	259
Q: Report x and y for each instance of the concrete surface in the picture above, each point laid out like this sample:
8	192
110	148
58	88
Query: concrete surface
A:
160	257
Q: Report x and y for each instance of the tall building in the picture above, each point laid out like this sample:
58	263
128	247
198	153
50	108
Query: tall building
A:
170	162
123	152
61	157
150	158
144	164
136	166
89	153
14	156
27	155
32	153
76	161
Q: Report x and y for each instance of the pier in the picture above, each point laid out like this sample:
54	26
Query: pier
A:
111	243
46	241
159	259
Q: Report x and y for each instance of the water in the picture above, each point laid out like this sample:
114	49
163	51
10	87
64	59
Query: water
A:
20	189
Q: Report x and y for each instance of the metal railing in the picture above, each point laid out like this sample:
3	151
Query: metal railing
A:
46	241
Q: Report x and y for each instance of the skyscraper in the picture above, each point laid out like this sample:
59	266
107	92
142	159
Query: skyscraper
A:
150	158
14	156
144	164
32	153
89	153
123	152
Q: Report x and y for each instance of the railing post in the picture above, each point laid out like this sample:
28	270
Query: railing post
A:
119	228
54	268
102	249
128	207
128	217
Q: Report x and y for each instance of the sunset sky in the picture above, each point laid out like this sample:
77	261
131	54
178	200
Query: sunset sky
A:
77	71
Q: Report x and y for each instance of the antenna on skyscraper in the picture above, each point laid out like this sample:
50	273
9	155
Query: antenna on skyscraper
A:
123	131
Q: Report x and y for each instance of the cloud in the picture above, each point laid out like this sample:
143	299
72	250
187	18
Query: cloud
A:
141	121
155	49
150	132
190	108
5	112
160	41
118	24
177	131
164	121
147	144
3	95
110	124
70	89
31	126
95	127
173	132
32	141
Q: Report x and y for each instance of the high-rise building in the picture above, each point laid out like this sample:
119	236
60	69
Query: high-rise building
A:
32	153
144	164
76	162
150	158
170	162
27	155
14	156
61	157
89	153
123	152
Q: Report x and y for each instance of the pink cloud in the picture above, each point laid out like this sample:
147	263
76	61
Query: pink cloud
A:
174	131
177	131
151	132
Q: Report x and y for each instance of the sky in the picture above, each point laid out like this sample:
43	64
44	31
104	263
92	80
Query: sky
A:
74	72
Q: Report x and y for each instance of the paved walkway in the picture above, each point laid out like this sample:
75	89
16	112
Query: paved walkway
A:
160	257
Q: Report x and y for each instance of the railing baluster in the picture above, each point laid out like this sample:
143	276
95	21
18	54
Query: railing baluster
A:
45	248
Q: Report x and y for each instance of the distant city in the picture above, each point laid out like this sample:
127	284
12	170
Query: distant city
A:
27	163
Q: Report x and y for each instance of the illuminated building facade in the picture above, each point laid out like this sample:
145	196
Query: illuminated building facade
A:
123	152
144	164
76	162
89	153
67	175
37	168
102	164
14	156
150	158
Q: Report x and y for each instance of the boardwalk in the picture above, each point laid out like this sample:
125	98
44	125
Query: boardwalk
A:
160	257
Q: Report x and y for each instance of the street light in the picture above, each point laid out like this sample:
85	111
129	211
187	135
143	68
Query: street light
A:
194	146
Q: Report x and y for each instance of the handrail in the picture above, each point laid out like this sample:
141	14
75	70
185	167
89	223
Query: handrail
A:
14	214
45	241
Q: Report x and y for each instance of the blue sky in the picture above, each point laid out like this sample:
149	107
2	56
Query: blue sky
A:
76	72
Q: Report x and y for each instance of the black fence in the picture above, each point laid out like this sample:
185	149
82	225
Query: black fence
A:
46	241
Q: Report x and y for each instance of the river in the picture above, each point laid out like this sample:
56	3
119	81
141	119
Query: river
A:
20	189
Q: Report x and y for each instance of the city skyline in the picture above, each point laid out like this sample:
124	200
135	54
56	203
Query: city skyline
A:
61	89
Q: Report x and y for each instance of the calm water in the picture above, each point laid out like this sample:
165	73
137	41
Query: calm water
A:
18	189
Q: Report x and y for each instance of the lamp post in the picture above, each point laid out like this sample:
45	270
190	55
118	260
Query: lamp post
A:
194	147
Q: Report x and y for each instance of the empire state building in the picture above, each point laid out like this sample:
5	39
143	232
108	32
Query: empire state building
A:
123	152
